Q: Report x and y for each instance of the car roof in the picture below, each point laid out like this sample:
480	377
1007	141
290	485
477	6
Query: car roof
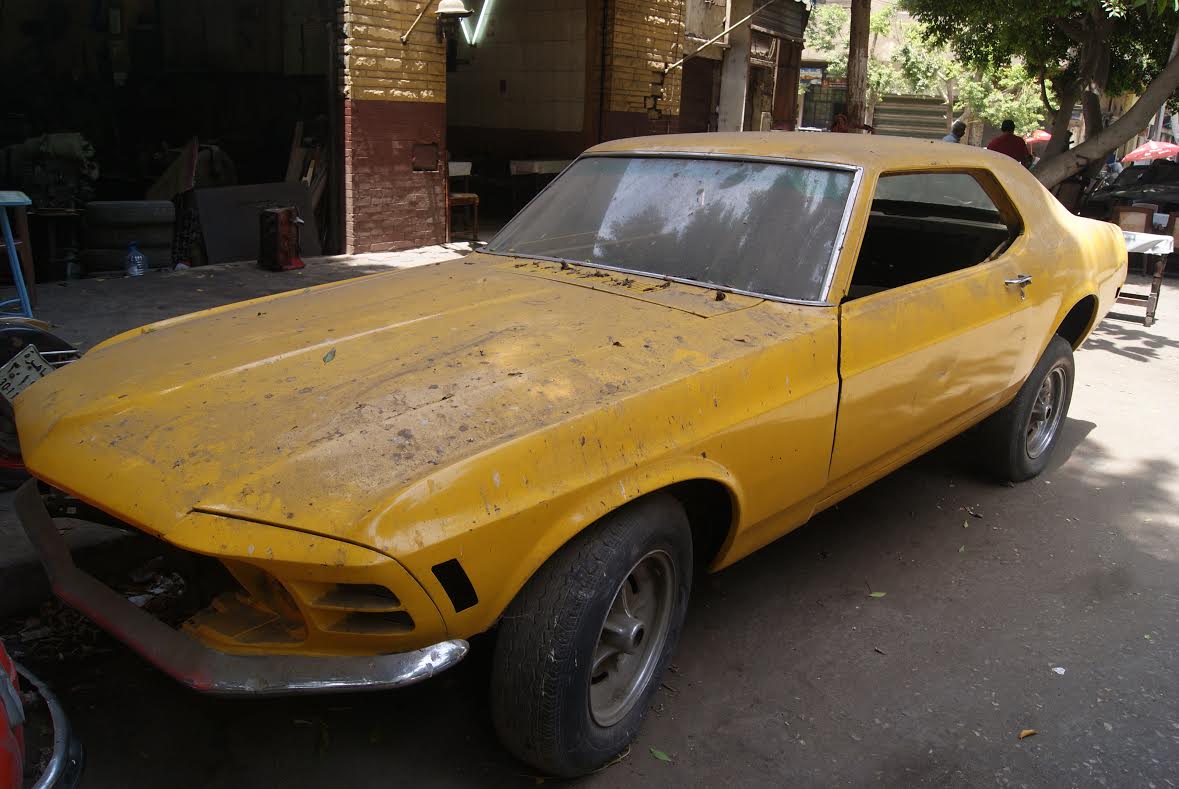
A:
870	151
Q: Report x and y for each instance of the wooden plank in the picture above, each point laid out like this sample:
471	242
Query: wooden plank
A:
295	161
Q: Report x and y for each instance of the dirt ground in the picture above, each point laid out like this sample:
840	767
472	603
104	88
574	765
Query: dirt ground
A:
1057	610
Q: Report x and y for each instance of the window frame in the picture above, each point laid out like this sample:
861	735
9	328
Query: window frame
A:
1009	215
824	299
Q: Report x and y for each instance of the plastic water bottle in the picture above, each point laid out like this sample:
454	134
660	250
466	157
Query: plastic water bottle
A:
136	261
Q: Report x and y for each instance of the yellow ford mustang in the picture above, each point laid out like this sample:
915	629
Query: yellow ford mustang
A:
680	351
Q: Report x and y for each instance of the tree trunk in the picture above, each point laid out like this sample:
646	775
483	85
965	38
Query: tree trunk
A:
1091	110
1066	94
857	61
1052	171
1094	124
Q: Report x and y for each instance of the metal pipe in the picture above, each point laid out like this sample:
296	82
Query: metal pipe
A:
62	759
405	35
716	38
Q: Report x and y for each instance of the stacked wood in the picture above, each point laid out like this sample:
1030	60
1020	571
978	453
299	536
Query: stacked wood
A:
310	163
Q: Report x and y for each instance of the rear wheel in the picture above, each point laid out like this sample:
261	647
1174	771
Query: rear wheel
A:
1022	436
584	645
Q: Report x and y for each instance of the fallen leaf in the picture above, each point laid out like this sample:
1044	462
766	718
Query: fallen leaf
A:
962	549
327	357
1023	735
660	755
877	594
965	524
972	513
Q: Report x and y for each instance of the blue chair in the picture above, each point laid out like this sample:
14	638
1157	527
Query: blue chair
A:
14	200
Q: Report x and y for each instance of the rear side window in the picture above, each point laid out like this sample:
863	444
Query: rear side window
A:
957	190
925	225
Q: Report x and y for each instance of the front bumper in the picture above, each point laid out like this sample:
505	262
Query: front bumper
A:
209	670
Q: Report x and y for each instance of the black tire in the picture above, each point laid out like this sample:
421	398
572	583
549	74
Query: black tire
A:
1007	434
119	236
111	261
541	675
130	212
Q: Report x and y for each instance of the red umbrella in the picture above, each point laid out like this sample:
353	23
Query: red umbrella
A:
1151	150
1039	135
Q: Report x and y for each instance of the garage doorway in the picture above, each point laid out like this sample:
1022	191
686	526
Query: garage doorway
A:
104	97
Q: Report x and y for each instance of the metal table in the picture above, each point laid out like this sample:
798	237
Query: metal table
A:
540	171
1155	249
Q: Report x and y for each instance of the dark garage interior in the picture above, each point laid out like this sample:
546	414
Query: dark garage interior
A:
146	102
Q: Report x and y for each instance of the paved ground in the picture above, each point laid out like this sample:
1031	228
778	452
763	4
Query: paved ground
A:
788	673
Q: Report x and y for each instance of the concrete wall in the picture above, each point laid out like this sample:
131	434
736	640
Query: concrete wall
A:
527	72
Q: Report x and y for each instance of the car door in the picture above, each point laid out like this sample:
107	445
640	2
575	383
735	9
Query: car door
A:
934	324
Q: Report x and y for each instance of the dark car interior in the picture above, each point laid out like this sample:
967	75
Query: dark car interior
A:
911	241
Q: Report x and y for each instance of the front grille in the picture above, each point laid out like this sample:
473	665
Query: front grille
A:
363	609
373	624
358	597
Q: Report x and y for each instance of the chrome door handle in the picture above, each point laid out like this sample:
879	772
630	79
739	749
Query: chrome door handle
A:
1020	279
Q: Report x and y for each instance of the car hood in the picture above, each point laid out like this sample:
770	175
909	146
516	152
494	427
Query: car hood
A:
311	408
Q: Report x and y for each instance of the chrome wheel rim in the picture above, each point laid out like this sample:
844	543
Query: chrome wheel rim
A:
1047	413
632	638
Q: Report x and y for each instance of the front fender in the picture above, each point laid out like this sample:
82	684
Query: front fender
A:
500	555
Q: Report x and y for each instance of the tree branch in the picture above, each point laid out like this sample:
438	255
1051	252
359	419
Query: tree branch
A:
1071	29
1044	93
1052	171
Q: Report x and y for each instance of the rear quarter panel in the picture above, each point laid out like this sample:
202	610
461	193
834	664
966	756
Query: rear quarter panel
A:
1069	257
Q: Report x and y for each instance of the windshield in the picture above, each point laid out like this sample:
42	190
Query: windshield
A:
759	227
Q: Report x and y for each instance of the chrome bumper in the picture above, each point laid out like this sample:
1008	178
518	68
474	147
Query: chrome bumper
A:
196	665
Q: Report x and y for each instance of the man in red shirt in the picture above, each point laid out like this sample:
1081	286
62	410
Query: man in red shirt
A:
1011	144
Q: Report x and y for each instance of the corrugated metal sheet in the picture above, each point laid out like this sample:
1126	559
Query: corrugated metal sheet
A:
911	116
785	18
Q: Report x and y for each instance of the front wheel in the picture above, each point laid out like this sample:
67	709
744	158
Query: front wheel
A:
584	645
1022	436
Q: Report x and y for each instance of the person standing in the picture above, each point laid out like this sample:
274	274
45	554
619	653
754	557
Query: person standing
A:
956	133
1011	144
841	126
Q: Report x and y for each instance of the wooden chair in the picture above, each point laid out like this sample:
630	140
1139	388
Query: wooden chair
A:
1136	219
464	198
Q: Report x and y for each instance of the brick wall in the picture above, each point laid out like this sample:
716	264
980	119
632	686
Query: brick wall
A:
394	100
376	64
646	35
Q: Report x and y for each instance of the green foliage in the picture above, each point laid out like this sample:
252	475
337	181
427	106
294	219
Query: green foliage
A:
1008	92
827	30
1060	37
990	93
828	33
